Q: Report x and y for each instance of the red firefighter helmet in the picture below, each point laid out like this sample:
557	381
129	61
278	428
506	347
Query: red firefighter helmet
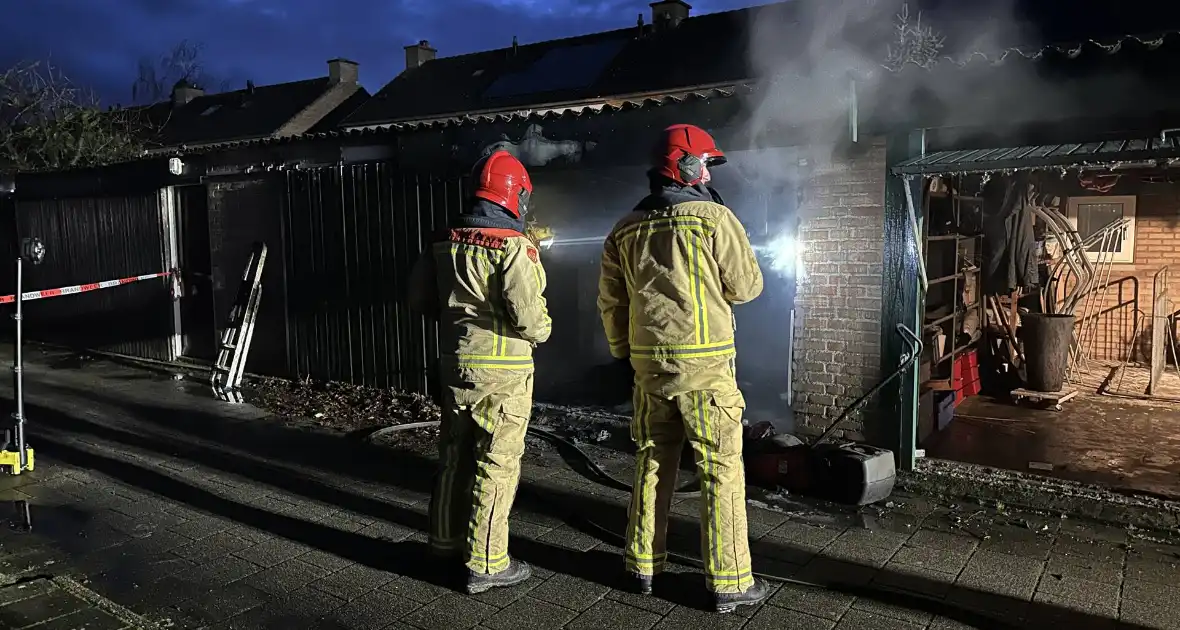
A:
501	179
683	153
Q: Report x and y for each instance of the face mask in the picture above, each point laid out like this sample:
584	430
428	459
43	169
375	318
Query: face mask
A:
523	202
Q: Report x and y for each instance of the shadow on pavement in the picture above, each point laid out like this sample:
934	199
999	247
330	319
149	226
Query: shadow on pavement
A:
408	558
284	450
75	360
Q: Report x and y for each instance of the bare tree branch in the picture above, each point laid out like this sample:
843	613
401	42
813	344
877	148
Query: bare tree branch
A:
48	123
914	43
183	63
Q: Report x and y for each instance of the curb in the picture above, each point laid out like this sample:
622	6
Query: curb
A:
30	588
1047	495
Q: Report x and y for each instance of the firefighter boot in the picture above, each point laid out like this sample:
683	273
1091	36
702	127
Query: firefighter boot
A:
640	583
517	573
756	594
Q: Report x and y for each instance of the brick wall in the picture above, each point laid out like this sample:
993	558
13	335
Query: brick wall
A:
1157	243
838	305
1112	334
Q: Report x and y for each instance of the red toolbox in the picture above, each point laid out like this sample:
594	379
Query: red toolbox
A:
965	376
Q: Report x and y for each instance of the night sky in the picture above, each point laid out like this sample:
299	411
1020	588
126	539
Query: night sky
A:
98	43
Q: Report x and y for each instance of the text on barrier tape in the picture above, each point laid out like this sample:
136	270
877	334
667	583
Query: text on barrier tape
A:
80	288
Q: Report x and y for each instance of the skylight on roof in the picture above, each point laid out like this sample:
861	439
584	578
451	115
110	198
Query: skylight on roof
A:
211	109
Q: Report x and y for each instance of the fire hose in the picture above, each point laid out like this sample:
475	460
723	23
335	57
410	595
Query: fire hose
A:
692	489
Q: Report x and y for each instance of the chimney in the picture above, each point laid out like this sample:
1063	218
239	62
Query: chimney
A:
185	91
342	71
669	13
419	54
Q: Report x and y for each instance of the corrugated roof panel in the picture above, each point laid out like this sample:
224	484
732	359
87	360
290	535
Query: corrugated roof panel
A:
950	157
1042	151
1112	146
972	155
1068	149
988	154
1167	142
1110	152
1006	154
1023	153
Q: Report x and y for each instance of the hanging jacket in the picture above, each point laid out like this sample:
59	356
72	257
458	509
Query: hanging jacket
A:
671	270
484	283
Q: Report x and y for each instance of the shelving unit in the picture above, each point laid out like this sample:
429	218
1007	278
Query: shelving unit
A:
953	261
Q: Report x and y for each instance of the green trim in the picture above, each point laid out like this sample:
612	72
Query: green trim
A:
900	304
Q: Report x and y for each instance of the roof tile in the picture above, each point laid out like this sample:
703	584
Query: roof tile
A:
238	115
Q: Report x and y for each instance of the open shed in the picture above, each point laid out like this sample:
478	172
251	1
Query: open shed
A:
1023	243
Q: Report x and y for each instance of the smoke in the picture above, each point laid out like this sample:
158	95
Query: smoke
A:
893	64
815	57
815	61
801	55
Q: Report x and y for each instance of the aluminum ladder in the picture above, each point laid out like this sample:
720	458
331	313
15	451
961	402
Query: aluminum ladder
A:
235	339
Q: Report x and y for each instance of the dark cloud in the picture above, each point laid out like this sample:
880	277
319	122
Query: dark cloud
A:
98	44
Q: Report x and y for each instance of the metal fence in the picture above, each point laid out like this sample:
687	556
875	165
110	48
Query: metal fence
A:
240	212
352	233
93	239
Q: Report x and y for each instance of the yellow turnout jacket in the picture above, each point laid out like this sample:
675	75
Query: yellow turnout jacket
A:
486	288
669	277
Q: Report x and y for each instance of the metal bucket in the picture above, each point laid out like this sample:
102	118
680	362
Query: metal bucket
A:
1047	342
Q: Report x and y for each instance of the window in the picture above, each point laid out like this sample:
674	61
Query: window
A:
1090	214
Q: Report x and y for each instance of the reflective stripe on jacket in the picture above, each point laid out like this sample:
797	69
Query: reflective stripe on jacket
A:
486	288
669	277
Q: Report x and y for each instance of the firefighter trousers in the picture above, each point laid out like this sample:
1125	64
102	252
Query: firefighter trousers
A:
711	420
480	445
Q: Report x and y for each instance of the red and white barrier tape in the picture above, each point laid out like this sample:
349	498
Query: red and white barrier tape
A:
81	288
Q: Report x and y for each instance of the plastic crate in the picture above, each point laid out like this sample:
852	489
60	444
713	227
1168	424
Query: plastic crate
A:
965	376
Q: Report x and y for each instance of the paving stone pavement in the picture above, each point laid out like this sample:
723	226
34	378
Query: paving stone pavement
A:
197	514
61	604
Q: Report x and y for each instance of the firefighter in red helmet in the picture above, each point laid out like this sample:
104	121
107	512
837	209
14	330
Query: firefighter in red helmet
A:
484	283
671	271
